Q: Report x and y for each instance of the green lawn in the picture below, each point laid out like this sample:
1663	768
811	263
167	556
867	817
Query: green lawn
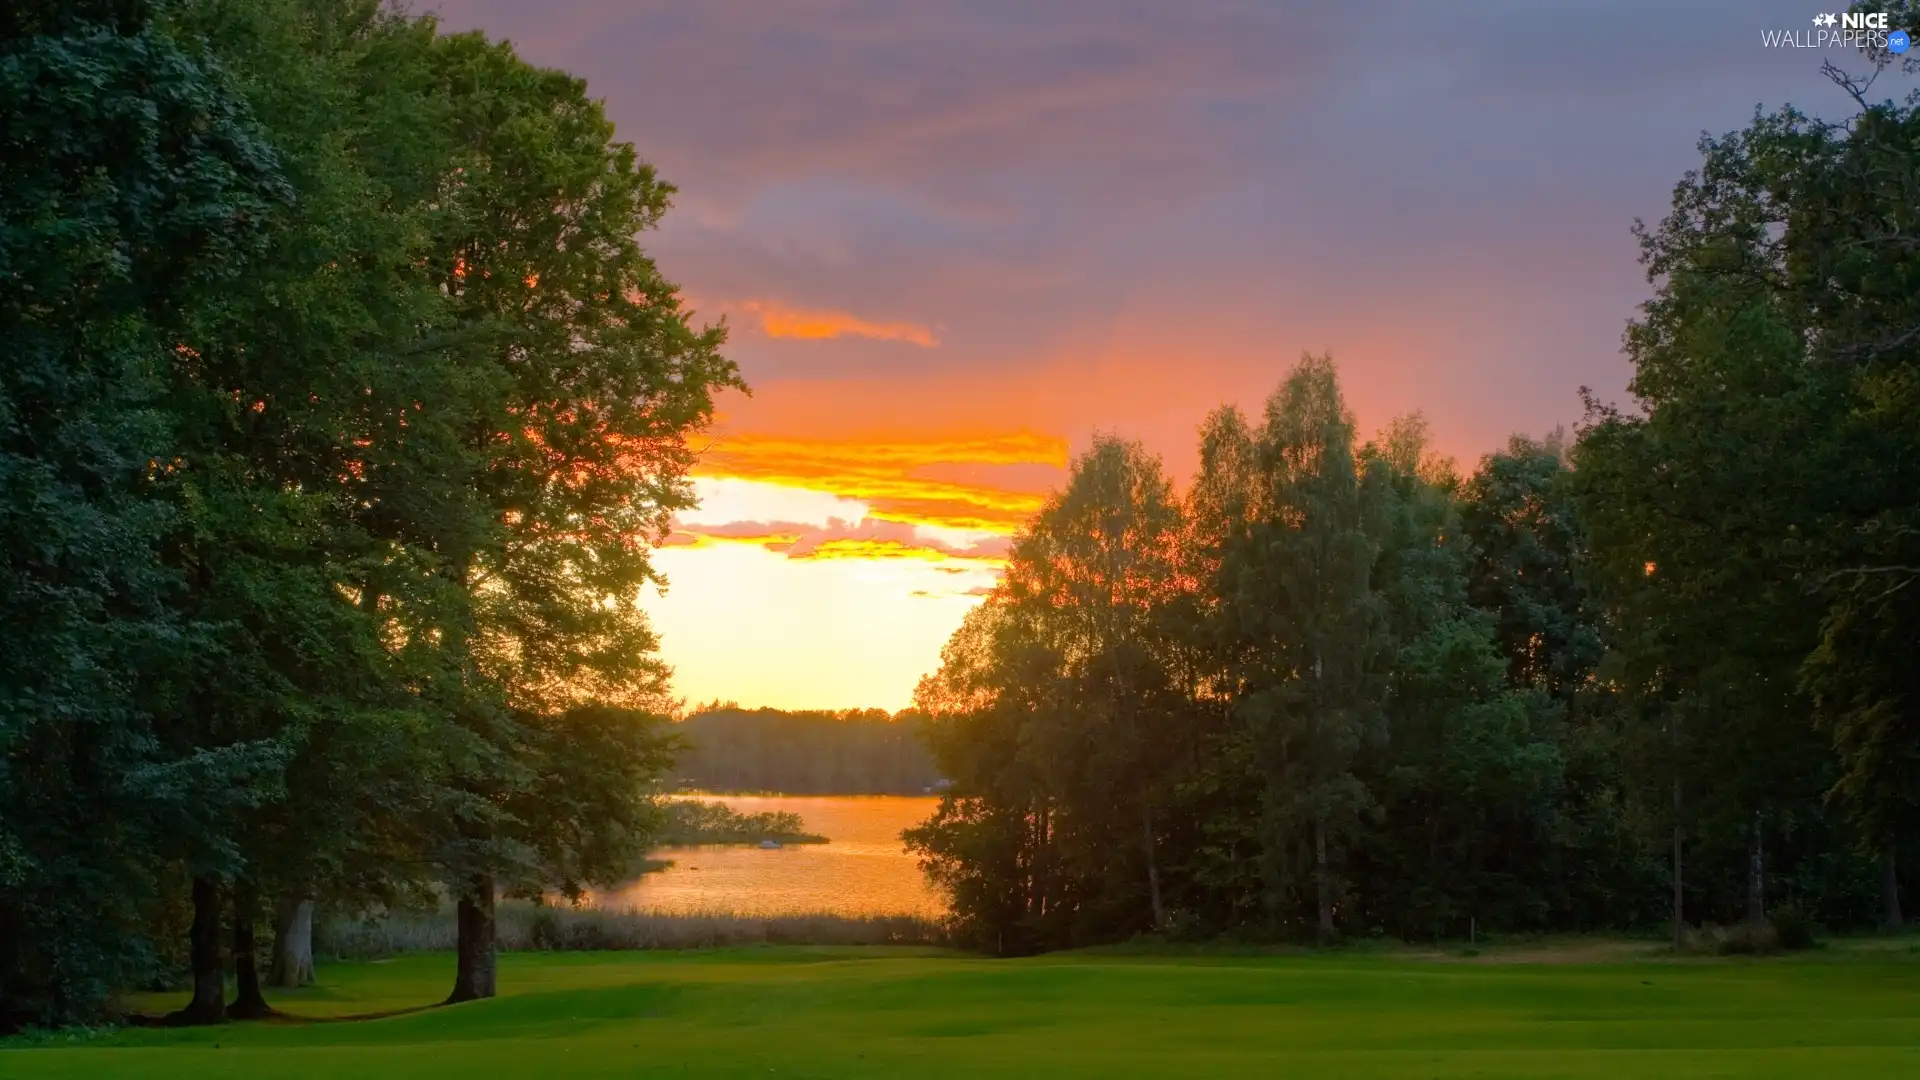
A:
797	1012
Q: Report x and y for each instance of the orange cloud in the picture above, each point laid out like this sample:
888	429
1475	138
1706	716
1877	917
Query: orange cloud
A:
868	539
780	321
894	477
752	533
870	549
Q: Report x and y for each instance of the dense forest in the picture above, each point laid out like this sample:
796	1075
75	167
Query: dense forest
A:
855	752
1660	674
338	407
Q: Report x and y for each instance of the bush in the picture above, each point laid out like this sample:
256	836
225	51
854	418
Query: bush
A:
1740	939
1746	939
1793	928
1188	926
543	931
1788	930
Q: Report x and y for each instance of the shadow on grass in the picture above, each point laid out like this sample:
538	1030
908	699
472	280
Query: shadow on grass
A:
271	1018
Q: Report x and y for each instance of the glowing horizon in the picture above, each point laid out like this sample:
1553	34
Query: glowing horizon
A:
836	567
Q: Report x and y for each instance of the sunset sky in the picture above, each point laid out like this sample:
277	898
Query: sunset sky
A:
955	239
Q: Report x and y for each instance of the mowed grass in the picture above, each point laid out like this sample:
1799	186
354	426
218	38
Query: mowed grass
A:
874	1012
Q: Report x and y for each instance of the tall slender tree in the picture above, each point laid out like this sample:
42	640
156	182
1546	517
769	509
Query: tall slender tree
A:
1300	586
1099	562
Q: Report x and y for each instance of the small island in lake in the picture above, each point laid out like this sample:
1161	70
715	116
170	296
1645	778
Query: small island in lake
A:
697	821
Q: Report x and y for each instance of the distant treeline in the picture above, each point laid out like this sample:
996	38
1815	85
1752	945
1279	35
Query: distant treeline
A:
852	752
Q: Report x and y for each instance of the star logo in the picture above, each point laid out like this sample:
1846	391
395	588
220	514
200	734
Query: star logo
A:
1825	20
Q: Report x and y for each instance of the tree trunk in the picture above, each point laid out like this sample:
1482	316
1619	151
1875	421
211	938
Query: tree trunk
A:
1890	892
248	1002
209	1003
1043	870
1756	878
1323	880
1679	907
1323	883
1153	870
292	943
474	975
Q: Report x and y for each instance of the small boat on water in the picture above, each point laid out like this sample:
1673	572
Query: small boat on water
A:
769	845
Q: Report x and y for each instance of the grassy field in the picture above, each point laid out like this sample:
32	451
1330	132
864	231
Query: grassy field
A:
845	1012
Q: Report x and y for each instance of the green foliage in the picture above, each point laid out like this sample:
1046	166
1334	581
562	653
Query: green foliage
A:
1755	520
1297	587
135	185
575	455
1529	544
1055	715
1792	928
591	768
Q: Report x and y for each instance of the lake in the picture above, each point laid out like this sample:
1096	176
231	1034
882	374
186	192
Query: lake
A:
862	870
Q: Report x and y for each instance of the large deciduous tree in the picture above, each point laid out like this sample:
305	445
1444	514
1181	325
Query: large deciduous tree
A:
1754	520
579	459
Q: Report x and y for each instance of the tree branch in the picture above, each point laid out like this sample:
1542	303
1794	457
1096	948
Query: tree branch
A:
1854	87
1868	350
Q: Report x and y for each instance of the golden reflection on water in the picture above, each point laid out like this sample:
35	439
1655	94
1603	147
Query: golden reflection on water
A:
862	870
